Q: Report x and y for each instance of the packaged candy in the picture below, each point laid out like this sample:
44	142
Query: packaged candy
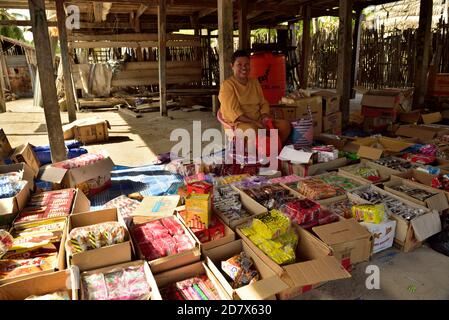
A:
285	179
419	158
343	208
227	202
419	194
301	211
81	161
396	164
11	268
369	213
271	225
317	189
125	206
240	269
338	181
365	172
95	236
6	242
58	295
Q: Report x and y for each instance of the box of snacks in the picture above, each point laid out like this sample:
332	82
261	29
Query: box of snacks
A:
14	194
165	243
97	239
24	170
191	282
298	257
242	273
367	172
59	285
125	281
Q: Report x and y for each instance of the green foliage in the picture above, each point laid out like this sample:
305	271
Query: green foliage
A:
11	31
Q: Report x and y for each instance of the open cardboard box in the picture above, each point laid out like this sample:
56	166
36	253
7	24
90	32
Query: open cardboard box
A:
105	256
383	172
25	153
314	264
5	146
302	105
24	169
354	179
155	294
421	132
330	139
10	207
185	272
41	284
388	170
331	101
366	147
293	190
410	234
305	170
175	260
251	206
155	207
350	242
76	177
229	234
399	99
266	288
438	201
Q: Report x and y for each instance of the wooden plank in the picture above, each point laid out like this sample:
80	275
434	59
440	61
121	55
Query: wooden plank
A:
344	57
2	95
130	37
68	85
153	81
424	38
129	112
132	44
46	76
243	26
162	36
356	51
23	23
306	45
225	37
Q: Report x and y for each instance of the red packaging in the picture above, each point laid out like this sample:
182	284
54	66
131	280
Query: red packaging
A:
172	225
419	158
201	187
216	229
326	217
302	211
201	234
183	242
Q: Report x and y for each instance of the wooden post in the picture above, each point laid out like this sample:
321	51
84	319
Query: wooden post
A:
225	37
306	44
344	57
162	36
359	17
423	51
243	26
2	95
68	85
46	76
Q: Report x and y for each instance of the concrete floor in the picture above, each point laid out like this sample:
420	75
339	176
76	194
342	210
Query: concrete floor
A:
420	274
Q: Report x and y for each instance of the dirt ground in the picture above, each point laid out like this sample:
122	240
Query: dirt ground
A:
421	274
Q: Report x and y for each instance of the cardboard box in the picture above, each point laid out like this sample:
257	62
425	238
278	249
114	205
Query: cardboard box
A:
5	147
332	123
376	147
229	234
305	170
384	172
316	109
440	85
155	207
330	102
24	169
293	189
192	270
400	99
350	242
198	210
314	265
25	153
10	207
353	179
99	172
40	285
249	204
283	112
266	288
438	201
105	256
175	260
155	294
410	234
423	133
383	234
87	130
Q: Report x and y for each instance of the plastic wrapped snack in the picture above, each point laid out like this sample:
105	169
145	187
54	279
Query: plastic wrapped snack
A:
95	236
340	181
58	295
95	287
271	225
369	213
240	269
125	207
317	189
6	242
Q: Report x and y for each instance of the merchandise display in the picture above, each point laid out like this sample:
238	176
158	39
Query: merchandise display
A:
227	202
342	207
95	236
370	213
11	184
6	241
198	210
326	153
195	288
396	164
365	172
338	181
286	179
46	205
419	194
317	189
81	161
125	207
270	196
128	283
161	238
241	270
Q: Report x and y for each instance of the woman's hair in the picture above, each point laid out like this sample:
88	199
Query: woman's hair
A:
238	54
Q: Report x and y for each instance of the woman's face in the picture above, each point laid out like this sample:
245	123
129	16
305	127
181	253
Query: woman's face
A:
241	68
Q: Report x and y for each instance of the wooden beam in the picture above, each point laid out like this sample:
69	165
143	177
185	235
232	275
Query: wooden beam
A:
306	44
225	37
47	79
424	37
65	60
195	23
2	95
132	44
344	57
23	23
206	12
98	11
141	10
162	19
131	37
356	49
243	26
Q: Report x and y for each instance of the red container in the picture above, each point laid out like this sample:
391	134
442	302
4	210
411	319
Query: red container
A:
270	70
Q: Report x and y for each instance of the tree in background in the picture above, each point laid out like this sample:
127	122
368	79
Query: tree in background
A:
11	31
